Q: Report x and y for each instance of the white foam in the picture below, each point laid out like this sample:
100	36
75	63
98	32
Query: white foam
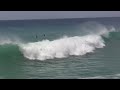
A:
61	48
96	77
114	76
13	41
66	46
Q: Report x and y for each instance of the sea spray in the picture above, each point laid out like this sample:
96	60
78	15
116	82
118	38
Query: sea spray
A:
66	46
61	48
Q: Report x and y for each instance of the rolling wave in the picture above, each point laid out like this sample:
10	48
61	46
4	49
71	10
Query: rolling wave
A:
63	47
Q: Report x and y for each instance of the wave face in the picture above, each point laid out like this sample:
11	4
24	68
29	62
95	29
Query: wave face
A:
65	46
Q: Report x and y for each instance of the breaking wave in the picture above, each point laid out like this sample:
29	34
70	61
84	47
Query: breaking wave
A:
66	46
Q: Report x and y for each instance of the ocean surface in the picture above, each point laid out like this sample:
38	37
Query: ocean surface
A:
87	48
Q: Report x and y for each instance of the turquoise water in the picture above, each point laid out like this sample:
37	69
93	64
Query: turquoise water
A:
54	56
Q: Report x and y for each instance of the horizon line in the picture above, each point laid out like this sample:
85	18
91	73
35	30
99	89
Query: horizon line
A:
58	18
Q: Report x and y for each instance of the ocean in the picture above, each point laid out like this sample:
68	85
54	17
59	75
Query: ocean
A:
80	48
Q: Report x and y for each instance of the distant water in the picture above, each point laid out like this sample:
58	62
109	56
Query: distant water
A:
60	49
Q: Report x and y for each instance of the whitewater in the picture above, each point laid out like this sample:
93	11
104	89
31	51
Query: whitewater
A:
64	46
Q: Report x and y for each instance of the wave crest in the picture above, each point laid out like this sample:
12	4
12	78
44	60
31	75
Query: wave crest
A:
62	47
66	46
